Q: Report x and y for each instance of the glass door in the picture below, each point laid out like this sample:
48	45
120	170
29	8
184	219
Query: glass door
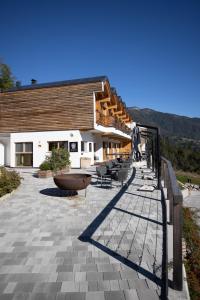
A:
24	154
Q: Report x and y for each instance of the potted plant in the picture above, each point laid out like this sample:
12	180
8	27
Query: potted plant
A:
45	170
57	163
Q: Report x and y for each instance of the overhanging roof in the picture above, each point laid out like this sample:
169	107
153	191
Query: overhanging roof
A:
59	83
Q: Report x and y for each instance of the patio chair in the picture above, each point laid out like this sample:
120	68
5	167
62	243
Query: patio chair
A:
122	175
103	175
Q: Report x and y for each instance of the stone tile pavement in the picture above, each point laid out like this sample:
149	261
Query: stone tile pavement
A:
105	246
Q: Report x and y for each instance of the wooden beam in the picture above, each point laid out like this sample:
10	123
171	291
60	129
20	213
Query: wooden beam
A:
117	112
112	106
105	100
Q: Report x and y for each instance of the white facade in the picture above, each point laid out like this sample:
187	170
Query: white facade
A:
40	141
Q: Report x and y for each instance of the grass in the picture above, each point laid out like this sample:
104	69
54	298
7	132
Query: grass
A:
183	177
191	233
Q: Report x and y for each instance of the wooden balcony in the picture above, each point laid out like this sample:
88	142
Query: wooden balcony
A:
111	121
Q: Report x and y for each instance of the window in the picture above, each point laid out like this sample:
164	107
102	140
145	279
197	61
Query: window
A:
90	147
58	145
83	146
24	154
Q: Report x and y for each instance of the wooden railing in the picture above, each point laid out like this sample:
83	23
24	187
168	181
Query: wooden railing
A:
175	198
111	121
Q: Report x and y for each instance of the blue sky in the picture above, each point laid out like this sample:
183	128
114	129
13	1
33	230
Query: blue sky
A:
150	50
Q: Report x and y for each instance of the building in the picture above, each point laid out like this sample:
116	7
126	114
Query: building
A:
86	116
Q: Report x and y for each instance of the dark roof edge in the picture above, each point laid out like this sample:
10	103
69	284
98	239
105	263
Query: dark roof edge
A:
59	83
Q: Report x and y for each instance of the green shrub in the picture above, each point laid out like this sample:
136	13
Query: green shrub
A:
9	181
191	232
45	166
58	160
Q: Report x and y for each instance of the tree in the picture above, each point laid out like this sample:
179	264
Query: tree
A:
6	77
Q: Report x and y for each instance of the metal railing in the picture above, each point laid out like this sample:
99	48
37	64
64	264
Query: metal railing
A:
175	198
164	171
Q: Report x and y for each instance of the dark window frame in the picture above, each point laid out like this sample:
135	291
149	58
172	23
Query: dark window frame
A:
58	145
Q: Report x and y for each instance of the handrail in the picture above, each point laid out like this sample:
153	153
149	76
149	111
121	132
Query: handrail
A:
175	198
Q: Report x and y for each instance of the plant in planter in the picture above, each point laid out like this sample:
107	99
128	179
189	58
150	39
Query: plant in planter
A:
45	169
59	160
57	163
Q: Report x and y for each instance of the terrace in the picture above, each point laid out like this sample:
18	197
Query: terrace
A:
108	245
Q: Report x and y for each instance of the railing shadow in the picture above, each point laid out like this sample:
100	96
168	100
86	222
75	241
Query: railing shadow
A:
87	234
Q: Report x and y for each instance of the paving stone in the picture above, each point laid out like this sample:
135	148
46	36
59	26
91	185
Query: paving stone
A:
89	268
78	296
21	296
131	295
80	276
69	286
94	276
147	294
48	288
95	296
114	295
105	268
92	286
114	285
65	268
61	296
104	285
111	275
129	274
123	284
6	296
10	288
24	287
83	286
65	276
42	296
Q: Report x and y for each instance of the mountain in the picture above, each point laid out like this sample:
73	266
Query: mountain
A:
170	125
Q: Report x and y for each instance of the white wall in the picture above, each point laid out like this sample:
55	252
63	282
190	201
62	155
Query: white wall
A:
2	159
5	150
40	144
89	138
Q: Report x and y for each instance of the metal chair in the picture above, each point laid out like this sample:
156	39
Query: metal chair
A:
102	173
122	175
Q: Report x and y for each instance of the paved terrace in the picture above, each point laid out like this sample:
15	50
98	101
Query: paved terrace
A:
102	247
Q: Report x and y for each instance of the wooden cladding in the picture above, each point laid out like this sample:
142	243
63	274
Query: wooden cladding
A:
51	108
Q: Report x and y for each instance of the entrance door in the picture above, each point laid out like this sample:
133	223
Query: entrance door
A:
24	154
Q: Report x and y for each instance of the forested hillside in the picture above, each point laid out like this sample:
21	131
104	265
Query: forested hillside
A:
180	137
170	124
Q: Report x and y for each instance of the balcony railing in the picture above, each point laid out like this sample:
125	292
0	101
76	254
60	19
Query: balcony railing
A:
111	121
166	178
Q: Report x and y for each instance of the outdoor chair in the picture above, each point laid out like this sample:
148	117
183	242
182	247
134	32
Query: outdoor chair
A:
122	175
125	165
103	175
109	165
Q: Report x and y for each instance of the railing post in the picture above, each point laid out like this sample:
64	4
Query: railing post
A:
158	158
177	243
